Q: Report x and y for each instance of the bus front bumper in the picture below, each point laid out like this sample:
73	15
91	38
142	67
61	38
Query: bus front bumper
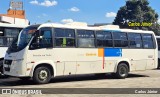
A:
13	68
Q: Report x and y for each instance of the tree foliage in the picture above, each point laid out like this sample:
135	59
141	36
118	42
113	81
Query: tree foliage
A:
137	11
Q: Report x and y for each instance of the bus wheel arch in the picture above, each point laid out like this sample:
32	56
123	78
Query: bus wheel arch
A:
126	64
43	73
122	70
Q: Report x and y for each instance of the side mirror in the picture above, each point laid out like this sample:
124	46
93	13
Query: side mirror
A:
36	34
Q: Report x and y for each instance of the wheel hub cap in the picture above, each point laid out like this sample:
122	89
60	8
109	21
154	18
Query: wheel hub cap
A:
43	75
122	71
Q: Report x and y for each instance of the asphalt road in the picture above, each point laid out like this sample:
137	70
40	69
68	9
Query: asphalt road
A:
140	79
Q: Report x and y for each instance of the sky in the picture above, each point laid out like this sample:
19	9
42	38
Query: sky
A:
66	11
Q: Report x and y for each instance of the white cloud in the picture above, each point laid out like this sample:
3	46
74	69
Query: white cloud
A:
35	2
49	3
46	3
111	14
74	9
67	21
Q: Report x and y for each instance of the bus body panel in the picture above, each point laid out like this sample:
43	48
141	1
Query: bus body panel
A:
16	67
120	60
75	61
30	67
34	58
78	61
3	51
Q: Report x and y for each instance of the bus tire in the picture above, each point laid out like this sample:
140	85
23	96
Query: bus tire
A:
158	63
42	75
122	71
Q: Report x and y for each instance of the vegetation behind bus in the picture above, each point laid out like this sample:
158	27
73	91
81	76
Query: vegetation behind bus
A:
137	12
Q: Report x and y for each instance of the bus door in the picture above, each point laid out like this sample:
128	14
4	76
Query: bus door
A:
41	47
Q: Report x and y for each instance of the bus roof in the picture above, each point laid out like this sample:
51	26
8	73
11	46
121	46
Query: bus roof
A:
157	36
136	31
105	28
68	26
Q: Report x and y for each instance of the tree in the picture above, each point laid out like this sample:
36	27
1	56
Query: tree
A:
137	11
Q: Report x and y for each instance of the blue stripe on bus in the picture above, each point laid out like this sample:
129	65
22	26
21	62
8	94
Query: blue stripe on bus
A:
113	52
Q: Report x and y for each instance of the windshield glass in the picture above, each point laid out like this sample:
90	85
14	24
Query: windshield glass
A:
22	40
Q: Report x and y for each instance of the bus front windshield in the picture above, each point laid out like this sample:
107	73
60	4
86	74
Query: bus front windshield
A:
22	40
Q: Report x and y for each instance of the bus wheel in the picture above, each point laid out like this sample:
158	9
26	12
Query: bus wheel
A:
122	71
158	64
42	75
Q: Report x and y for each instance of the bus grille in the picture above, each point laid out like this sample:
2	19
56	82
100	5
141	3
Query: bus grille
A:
7	62
7	68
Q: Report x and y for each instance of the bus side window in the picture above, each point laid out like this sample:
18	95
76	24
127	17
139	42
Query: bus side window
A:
120	39
9	34
86	38
135	40
147	41
104	39
158	43
42	39
64	37
1	38
46	38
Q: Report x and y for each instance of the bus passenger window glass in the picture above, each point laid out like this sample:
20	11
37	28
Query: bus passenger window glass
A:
6	41
158	42
108	43
64	37
86	38
1	41
104	39
85	34
69	33
59	41
89	34
9	32
45	39
84	42
8	35
120	39
116	35
147	41
135	40
1	38
65	42
59	32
